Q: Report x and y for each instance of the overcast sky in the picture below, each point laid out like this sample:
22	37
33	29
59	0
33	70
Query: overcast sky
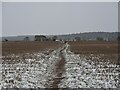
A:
20	18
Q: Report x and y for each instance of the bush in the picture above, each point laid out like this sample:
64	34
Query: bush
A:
99	39
77	38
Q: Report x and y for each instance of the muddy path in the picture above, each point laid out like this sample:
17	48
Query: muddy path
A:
59	70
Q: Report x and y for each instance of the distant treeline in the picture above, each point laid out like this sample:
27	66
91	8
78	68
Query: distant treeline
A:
36	38
108	36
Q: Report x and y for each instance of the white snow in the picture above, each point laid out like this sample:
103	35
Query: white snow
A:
82	73
37	71
33	73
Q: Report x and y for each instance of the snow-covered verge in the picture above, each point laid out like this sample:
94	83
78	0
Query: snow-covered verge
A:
83	73
31	72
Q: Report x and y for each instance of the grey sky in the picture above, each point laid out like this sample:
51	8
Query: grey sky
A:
58	18
0	19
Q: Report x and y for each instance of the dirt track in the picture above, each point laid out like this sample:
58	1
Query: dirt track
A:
58	70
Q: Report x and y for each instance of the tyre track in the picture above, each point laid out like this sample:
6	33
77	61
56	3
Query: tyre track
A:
59	70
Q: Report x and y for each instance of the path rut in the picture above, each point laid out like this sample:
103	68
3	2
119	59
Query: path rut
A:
59	70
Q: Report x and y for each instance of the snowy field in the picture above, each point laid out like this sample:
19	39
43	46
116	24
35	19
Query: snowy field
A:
38	70
82	73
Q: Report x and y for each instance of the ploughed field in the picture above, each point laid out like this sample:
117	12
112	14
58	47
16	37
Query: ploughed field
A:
106	50
27	47
94	47
84	64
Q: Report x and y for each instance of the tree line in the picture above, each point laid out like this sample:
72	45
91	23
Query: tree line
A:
54	38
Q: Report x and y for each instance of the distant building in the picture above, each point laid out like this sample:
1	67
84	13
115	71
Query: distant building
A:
40	38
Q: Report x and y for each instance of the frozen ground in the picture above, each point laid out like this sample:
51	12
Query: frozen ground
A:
38	70
30	73
82	73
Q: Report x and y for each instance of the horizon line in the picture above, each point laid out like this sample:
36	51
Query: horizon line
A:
58	34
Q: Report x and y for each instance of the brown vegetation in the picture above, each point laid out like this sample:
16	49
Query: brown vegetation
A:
27	47
94	47
105	50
